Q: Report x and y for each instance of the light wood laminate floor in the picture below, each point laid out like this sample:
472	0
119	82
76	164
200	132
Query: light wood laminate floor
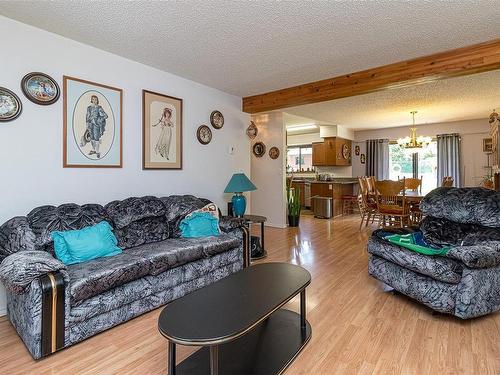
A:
357	327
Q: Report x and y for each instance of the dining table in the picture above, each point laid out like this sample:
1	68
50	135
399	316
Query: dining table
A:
413	196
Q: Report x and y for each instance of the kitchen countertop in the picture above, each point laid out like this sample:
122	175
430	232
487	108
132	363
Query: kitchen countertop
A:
336	180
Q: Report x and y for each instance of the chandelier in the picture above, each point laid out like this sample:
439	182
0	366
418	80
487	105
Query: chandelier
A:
414	144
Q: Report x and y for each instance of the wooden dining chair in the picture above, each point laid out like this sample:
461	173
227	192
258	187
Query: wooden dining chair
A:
391	203
447	181
367	209
413	184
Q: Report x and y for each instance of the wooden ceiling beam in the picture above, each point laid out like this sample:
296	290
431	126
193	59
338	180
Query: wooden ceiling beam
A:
463	61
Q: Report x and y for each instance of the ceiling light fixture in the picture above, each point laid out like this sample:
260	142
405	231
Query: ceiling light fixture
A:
414	144
295	128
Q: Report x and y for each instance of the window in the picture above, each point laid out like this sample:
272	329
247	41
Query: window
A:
299	159
402	164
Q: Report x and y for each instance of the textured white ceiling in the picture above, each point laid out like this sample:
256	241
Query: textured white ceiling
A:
247	48
455	99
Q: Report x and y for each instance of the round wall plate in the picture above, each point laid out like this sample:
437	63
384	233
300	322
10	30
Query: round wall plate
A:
204	135
274	153
259	149
217	119
40	88
10	105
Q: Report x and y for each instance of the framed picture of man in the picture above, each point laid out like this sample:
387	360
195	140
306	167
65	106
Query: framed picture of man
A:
161	131
92	124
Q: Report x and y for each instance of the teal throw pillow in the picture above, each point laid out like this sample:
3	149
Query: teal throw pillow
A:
200	224
77	246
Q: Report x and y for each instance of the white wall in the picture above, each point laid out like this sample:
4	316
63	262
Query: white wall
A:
31	146
472	133
268	174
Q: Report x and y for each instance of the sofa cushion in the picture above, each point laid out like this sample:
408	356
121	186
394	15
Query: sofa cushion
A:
177	208
147	230
175	252
464	205
443	232
439	268
133	209
46	219
99	275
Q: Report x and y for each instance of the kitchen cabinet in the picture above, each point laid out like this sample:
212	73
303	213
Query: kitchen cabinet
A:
331	152
318	154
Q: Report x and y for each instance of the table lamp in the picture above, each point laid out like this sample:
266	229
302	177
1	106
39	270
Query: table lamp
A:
237	185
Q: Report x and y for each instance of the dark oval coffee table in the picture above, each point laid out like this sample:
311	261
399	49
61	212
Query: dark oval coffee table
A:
240	323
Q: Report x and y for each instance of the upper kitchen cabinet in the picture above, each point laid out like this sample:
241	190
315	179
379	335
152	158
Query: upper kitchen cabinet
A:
332	151
318	154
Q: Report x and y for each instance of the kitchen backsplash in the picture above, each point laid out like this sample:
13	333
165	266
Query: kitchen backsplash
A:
336	171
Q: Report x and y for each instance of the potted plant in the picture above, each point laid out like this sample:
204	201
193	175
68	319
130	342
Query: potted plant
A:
293	203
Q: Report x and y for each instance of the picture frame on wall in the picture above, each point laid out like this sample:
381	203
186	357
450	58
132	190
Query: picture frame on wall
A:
161	131
488	145
92	117
10	105
40	88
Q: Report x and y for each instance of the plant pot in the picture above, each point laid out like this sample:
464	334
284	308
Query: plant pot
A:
293	221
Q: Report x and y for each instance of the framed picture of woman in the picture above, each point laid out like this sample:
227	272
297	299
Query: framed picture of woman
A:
161	131
92	136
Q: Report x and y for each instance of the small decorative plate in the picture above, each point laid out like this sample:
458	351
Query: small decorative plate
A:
345	151
356	150
204	134
217	119
259	149
40	88
274	153
252	130
10	105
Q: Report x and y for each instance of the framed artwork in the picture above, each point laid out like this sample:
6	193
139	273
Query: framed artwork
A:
488	145
274	153
204	135
40	88
92	116
259	149
10	105
161	131
356	150
363	158
217	119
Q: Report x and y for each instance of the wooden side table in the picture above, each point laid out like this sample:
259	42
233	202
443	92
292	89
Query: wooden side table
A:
255	219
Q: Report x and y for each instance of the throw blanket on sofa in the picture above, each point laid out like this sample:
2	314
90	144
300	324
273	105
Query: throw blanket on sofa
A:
413	241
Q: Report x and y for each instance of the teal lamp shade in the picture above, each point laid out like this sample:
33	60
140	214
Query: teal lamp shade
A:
238	184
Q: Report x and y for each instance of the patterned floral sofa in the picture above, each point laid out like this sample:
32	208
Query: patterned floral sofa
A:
53	306
465	282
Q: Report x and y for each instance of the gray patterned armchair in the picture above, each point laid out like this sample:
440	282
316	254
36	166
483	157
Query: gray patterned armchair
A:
465	282
53	306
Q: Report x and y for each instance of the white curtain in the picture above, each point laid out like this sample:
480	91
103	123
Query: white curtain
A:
377	158
448	158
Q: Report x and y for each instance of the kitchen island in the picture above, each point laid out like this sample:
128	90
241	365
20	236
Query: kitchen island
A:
334	188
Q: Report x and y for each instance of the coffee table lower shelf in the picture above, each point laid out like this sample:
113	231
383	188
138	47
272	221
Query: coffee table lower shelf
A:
268	349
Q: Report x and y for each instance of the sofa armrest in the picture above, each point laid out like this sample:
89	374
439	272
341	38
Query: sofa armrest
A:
484	255
18	270
229	223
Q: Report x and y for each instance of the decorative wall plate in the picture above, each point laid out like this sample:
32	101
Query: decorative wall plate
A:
10	105
274	153
363	158
217	119
252	130
346	153
204	135
259	149
40	88
356	150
